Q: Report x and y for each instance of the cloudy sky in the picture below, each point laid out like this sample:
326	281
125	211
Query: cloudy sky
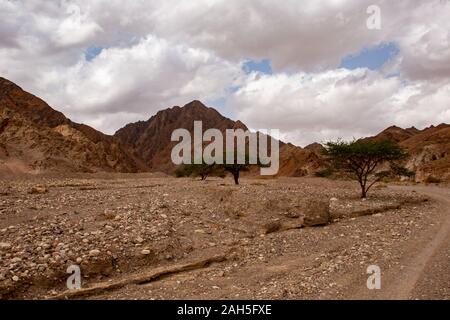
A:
316	70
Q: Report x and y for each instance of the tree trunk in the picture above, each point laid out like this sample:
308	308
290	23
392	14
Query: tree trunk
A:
363	189
363	193
236	177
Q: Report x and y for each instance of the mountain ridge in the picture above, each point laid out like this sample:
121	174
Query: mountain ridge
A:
35	137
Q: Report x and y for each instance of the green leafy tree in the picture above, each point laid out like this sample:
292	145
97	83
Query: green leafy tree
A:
202	170
361	159
236	168
400	171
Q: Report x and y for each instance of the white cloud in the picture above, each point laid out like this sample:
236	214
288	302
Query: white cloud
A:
341	103
161	53
148	76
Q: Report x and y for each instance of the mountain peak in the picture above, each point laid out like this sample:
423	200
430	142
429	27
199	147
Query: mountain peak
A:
195	104
394	133
6	86
151	139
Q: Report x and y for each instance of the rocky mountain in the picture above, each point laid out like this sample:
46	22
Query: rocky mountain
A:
34	137
151	139
396	134
429	149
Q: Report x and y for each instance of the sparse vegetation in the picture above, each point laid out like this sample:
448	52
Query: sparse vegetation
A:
235	170
361	159
325	173
432	179
401	171
202	170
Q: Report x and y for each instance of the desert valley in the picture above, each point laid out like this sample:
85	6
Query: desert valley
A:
111	204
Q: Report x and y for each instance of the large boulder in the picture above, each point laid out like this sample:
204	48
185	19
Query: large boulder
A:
39	189
316	213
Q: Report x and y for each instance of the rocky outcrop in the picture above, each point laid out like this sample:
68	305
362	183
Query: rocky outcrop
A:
429	149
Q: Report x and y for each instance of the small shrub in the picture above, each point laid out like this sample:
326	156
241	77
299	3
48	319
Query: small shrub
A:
431	179
325	173
400	171
183	171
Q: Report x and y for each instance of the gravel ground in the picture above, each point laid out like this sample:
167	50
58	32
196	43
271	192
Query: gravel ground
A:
120	225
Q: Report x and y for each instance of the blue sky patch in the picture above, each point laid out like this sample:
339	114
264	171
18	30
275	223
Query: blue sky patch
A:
92	52
218	104
262	66
372	58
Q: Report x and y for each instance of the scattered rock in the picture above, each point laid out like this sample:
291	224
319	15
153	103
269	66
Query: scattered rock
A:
94	253
139	240
5	246
293	213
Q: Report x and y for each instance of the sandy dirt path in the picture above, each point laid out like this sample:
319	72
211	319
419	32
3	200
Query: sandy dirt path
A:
424	273
429	274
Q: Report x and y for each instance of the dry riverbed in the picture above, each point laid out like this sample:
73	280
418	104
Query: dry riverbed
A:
150	237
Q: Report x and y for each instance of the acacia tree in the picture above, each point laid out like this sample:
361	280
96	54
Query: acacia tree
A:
202	170
361	159
235	170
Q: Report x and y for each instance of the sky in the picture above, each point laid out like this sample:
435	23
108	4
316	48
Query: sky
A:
315	70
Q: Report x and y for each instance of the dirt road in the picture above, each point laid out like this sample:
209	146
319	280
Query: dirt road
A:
428	274
424	271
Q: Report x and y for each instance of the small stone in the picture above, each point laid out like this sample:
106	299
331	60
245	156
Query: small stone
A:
5	245
377	215
94	253
139	239
15	278
145	252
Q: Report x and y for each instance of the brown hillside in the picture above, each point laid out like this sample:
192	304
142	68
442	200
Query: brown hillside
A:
34	137
429	149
